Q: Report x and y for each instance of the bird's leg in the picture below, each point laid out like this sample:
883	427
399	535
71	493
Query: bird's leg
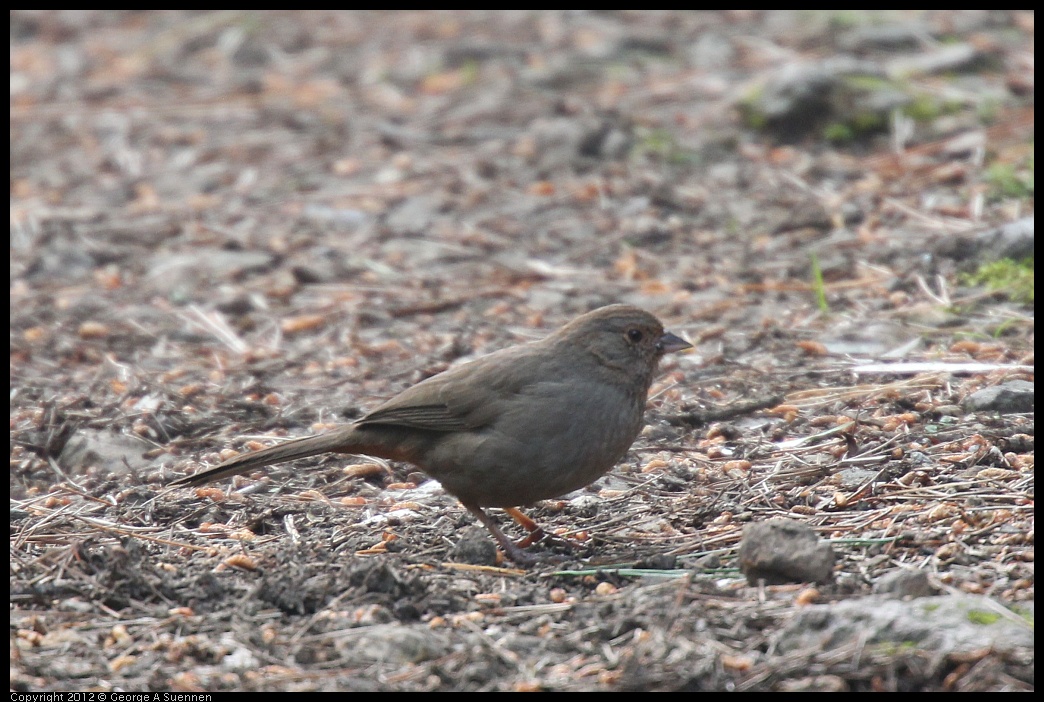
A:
511	549
536	532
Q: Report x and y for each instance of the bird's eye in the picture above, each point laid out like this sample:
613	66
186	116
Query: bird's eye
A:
634	335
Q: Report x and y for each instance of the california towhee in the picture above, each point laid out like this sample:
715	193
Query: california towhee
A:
523	424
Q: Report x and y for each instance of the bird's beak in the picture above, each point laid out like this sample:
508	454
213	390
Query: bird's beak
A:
669	343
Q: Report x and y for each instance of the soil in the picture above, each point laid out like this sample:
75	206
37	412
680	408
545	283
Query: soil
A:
233	227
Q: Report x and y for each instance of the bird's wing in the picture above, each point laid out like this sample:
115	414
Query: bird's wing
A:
464	398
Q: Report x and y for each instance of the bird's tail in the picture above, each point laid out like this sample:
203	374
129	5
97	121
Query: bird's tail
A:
334	441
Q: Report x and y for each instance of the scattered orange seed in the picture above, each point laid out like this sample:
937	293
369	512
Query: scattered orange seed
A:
363	470
401	486
655	287
586	192
108	279
172	375
527	686
120	662
345	166
33	638
447	81
655	464
93	330
252	445
117	635
967	346
374	550
812	348
716	452
742	466
34	334
997	474
604	588
352	501
806	597
190	389
241	560
941	511
737	663
304	322
557	595
210	493
838	450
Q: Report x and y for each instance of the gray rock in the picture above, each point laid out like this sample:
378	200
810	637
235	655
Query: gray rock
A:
904	583
394	644
783	551
947	624
1012	397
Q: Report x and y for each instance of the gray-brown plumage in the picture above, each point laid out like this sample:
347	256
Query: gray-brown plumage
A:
523	424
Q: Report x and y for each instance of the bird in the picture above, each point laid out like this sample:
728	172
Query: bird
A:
526	423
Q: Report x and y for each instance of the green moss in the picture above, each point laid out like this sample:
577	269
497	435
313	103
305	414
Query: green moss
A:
1008	180
818	286
1026	614
923	109
847	19
894	648
469	72
1012	277
662	145
867	83
838	133
866	122
981	616
750	111
988	110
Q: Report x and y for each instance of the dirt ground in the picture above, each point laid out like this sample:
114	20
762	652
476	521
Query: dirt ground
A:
229	227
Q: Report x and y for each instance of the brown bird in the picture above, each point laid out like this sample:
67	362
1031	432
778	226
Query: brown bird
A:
523	424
